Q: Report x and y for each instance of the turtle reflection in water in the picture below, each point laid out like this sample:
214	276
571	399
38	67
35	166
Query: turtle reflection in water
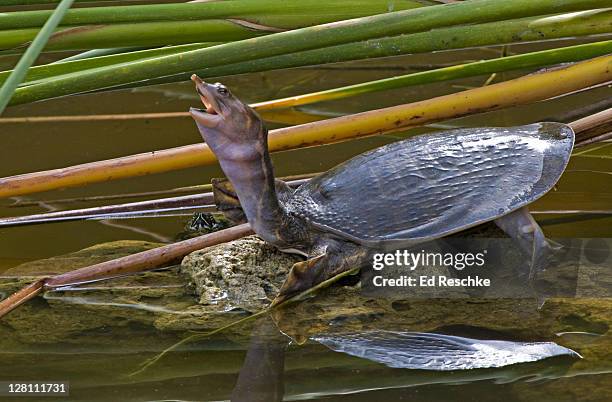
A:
392	197
261	377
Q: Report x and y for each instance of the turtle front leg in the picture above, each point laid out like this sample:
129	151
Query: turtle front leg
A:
336	258
227	201
521	227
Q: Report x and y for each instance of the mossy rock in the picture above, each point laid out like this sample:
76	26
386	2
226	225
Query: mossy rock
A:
246	273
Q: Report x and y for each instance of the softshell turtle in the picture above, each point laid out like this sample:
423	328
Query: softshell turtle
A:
395	196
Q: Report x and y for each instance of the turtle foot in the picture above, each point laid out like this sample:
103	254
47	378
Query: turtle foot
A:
303	276
521	227
337	257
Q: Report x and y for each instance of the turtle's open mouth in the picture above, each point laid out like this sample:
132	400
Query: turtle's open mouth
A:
209	116
210	108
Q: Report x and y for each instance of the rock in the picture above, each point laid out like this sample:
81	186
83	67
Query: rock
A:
246	273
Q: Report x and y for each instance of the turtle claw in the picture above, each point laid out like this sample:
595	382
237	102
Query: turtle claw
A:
303	276
538	296
277	300
540	301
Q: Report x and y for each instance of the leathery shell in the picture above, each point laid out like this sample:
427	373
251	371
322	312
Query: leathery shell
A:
432	185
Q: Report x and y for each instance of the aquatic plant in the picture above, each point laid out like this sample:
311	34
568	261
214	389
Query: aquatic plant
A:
30	55
524	90
373	36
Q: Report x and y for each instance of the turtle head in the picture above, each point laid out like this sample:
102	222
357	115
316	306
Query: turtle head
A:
231	128
238	137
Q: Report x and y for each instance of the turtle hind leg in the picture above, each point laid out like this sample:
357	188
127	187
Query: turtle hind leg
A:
523	229
336	258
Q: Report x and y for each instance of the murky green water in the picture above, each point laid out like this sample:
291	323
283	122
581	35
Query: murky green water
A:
97	361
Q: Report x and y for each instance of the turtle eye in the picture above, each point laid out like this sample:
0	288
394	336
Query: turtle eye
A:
222	90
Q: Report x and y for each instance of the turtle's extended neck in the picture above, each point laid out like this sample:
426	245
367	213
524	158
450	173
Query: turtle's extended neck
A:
252	176
239	139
